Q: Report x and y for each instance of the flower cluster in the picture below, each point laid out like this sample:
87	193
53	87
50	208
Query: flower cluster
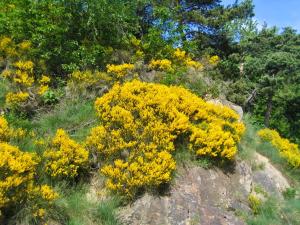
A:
65	157
9	49
17	173
15	99
182	58
4	129
214	60
287	150
25	89
44	84
141	121
17	170
21	78
161	64
23	74
120	70
7	133
179	54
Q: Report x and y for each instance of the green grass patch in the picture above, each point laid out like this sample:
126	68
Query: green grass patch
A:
3	91
77	209
76	117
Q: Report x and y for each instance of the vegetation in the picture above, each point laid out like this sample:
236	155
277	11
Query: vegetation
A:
117	91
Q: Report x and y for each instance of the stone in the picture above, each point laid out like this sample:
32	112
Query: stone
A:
205	196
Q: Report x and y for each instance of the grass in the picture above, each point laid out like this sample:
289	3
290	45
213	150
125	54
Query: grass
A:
3	91
76	209
76	117
273	210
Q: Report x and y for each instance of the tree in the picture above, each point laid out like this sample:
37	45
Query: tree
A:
269	81
200	21
69	34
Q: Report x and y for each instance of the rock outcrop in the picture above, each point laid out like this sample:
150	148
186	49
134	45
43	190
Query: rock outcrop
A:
206	196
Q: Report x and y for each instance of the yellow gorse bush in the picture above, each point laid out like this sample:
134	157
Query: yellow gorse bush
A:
24	87
17	178
23	74
287	150
17	170
65	157
182	58
21	79
44	84
161	64
4	130
141	121
9	49
214	60
120	70
179	54
14	99
7	133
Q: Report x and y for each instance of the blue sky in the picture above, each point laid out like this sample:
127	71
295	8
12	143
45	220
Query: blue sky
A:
281	13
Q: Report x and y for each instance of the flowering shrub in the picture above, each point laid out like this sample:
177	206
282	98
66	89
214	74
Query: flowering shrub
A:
7	133
254	203
4	129
214	60
183	59
15	99
161	64
44	84
141	121
65	157
22	74
180	59
121	70
17	173
25	90
287	150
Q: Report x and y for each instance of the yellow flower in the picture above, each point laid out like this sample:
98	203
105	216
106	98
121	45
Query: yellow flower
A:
120	70
44	80
4	43
47	193
43	89
14	99
179	54
18	171
161	64
214	60
6	73
25	45
139	125
287	150
4	129
24	65
65	157
191	63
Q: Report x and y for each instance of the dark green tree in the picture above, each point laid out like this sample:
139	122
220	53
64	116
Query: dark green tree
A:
201	22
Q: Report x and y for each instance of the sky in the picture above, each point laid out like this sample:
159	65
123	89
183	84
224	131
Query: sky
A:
281	13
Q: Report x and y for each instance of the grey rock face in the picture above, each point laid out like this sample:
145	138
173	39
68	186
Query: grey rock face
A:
204	196
238	109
